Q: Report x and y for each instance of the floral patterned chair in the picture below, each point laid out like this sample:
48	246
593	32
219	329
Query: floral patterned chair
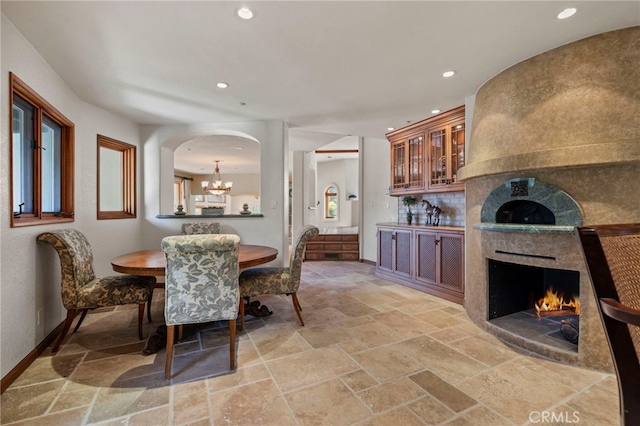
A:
82	290
200	228
278	280
201	285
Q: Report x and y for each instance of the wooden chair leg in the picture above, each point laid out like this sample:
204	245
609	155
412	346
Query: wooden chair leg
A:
180	329
169	359
296	306
71	313
149	307
232	344
140	318
241	314
84	314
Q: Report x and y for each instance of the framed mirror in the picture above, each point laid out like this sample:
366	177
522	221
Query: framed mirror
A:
116	179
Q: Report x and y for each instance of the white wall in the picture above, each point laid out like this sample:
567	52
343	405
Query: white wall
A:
377	206
243	183
30	274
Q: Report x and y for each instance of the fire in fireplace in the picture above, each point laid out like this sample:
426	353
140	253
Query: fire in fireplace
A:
534	302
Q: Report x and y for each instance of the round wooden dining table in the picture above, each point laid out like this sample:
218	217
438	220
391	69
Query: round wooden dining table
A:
153	262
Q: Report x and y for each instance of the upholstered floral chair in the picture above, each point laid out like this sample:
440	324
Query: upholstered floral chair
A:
82	290
278	280
200	228
201	285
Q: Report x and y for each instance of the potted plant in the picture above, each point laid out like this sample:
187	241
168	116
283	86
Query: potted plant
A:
409	200
409	217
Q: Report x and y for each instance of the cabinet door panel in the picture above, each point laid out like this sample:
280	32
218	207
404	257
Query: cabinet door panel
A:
457	149
403	253
451	262
385	250
426	257
398	172
437	157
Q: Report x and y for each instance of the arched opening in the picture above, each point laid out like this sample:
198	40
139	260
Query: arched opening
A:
195	158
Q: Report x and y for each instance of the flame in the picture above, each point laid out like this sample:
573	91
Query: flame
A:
555	301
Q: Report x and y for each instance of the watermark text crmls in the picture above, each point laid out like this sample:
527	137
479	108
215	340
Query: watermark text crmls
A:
554	417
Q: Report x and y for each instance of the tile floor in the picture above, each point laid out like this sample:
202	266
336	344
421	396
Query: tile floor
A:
371	353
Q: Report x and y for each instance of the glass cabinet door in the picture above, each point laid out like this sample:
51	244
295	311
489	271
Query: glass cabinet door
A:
438	157
457	150
416	162
397	167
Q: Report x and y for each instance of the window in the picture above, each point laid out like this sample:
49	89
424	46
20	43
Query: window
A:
42	159
331	203
116	179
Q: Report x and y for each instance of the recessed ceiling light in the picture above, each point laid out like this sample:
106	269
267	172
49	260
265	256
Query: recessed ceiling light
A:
245	13
435	111
391	128
448	74
222	85
238	148
567	13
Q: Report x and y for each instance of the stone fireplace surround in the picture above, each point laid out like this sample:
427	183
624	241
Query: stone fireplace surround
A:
570	118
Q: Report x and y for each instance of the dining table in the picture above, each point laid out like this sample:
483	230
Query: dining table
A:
153	263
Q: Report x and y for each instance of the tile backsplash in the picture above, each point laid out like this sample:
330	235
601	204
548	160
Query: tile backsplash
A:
452	205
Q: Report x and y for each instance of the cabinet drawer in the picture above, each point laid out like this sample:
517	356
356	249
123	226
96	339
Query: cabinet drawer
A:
350	246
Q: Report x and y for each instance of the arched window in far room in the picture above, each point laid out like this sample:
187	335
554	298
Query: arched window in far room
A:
331	203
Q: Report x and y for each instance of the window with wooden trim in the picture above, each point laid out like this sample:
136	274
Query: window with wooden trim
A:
116	179
331	203
42	159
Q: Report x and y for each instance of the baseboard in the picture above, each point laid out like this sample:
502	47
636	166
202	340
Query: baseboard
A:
30	358
368	262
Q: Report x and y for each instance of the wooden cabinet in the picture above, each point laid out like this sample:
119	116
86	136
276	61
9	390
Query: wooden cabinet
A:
425	258
439	261
408	163
446	155
395	248
426	156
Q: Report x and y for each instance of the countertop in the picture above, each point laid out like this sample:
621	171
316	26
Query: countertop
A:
430	227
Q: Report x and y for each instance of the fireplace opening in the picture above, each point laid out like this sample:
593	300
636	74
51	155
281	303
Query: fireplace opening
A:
540	304
525	212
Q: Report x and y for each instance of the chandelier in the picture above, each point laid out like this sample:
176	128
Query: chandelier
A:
214	184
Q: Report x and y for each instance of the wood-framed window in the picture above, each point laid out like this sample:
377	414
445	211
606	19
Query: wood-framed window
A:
42	159
331	203
116	179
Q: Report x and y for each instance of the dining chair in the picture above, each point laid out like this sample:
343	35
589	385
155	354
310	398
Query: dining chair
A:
612	255
201	285
82	290
200	228
278	280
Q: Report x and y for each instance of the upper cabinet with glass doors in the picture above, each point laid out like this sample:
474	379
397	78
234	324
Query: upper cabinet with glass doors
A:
407	163
426	156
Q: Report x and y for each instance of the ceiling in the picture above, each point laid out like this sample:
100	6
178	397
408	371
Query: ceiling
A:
329	69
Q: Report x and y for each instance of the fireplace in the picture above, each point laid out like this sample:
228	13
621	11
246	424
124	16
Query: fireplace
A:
577	137
534	302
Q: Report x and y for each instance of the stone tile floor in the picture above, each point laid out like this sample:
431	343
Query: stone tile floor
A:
371	353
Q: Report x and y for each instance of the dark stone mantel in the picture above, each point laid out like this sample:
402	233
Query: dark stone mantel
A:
525	229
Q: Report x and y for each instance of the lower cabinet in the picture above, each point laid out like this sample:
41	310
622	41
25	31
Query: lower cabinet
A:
426	259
